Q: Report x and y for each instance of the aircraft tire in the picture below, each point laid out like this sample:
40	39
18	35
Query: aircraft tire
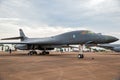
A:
28	53
43	53
80	56
31	53
34	52
47	52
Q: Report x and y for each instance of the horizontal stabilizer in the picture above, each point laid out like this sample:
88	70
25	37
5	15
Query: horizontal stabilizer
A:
13	43
12	38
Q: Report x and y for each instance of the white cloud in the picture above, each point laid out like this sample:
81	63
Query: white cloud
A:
41	18
9	19
102	7
10	28
95	2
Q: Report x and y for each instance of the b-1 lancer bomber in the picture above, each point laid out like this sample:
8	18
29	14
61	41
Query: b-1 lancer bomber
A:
79	37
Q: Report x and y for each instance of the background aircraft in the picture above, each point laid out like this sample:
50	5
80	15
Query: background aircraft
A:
114	47
69	38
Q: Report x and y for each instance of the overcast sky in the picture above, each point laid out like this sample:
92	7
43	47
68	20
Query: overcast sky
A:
41	18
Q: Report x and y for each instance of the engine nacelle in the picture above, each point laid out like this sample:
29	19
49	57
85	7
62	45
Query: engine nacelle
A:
21	46
117	49
46	48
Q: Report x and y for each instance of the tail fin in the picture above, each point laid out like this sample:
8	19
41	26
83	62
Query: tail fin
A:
22	36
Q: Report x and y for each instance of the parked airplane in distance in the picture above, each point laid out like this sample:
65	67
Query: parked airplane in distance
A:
114	47
69	38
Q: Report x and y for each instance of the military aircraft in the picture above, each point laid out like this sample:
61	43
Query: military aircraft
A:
114	47
69	38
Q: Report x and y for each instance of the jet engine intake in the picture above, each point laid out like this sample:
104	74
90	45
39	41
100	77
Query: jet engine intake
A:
21	46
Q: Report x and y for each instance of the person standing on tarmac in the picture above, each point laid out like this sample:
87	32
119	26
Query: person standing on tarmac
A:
10	51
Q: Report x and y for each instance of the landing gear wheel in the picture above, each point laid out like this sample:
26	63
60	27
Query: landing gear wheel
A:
80	56
44	53
32	53
47	52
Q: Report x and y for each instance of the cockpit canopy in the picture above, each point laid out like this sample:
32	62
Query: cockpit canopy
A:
87	32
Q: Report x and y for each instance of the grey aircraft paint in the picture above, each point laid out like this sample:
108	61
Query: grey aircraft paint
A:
68	38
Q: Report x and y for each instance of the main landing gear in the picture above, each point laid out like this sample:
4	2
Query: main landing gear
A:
33	52
44	53
80	55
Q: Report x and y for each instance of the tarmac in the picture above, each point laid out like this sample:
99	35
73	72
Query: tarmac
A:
60	66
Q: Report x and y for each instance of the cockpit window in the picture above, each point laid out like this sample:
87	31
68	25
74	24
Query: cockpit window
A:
91	32
87	32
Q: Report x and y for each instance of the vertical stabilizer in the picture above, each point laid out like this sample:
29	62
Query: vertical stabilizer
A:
22	35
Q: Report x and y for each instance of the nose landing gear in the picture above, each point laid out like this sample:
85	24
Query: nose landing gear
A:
80	55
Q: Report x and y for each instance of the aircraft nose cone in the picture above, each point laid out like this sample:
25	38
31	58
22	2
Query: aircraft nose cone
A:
112	39
115	39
